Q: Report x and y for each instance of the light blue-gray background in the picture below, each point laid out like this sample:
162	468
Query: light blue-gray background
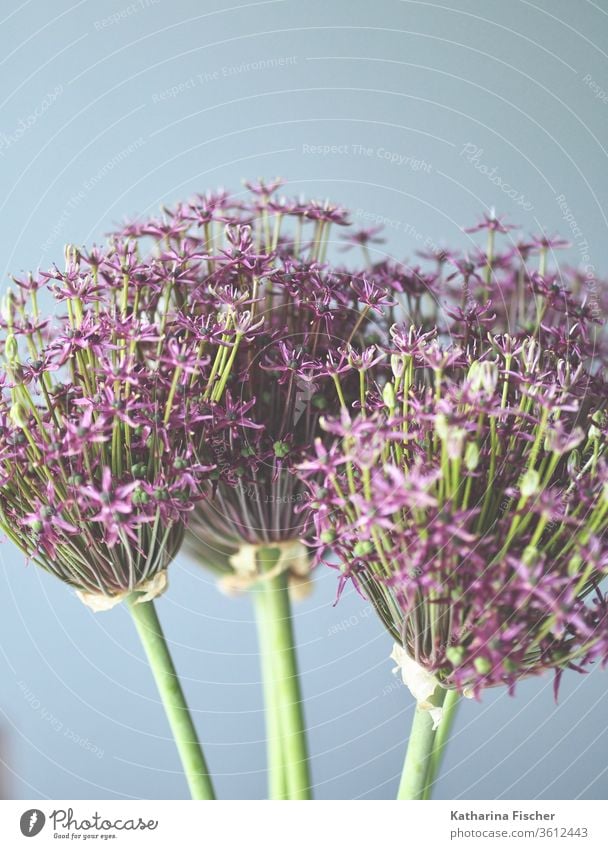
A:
102	117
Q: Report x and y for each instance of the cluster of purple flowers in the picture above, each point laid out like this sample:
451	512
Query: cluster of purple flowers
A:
440	427
104	410
183	368
518	287
311	315
468	499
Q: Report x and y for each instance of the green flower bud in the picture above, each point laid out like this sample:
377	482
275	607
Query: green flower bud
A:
7	307
597	421
18	414
388	396
140	496
452	435
328	537
281	449
455	654
573	463
441	426
482	665
397	365
471	456
11	349
362	548
483	375
529	483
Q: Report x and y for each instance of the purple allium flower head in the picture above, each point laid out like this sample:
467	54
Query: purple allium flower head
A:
104	411
307	313
467	497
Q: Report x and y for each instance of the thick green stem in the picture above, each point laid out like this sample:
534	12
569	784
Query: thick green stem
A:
172	696
442	736
277	779
286	682
418	756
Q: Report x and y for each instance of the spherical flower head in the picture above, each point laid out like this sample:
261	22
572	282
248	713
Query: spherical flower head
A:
312	317
469	504
102	415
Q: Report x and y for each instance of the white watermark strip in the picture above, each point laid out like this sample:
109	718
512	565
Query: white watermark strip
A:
152	824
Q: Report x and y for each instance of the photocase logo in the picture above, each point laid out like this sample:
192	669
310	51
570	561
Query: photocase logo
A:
32	822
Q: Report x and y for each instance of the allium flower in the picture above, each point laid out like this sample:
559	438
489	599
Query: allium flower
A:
469	502
306	314
103	415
